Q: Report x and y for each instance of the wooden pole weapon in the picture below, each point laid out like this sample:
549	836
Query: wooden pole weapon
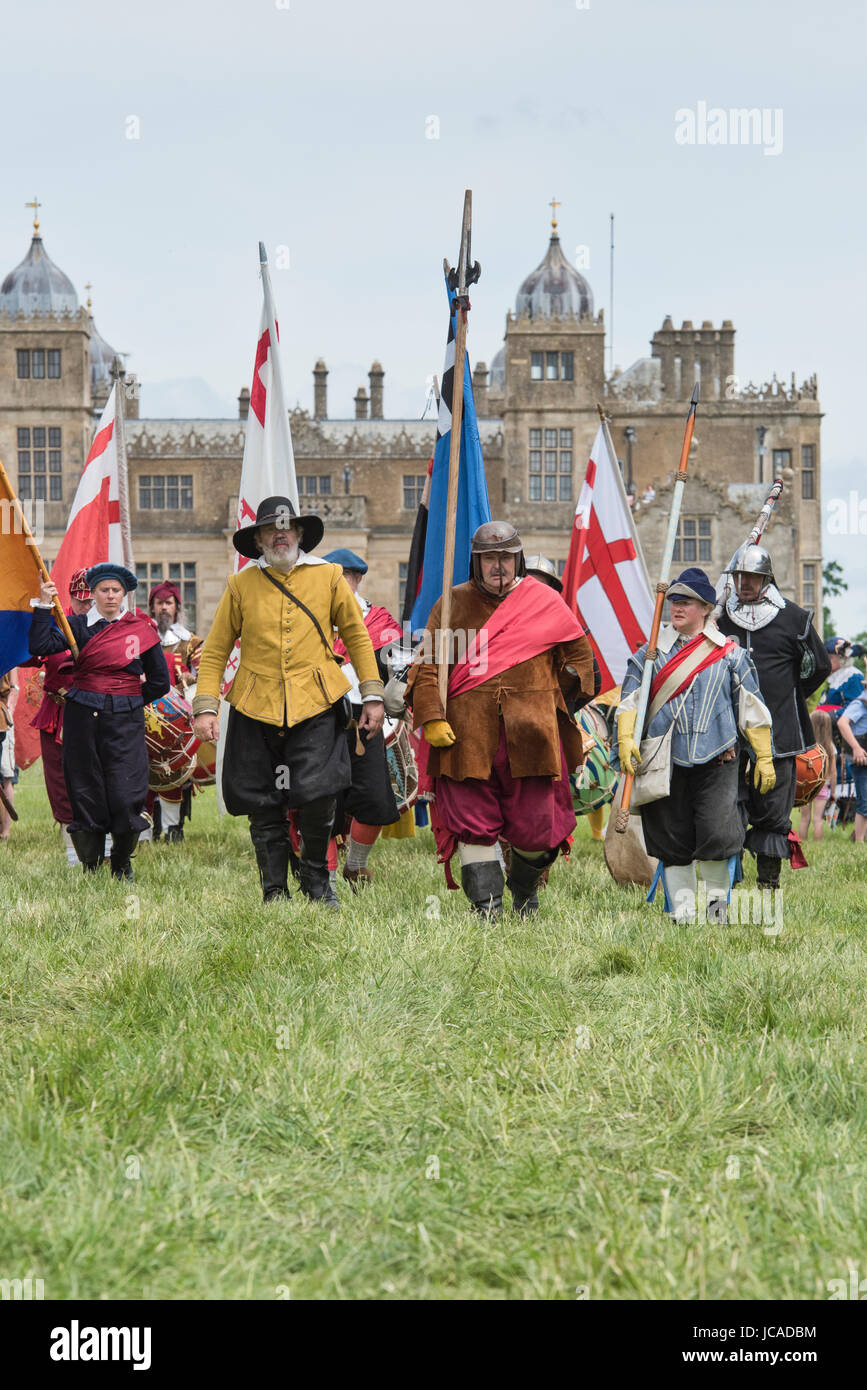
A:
23	527
724	585
465	274
622	823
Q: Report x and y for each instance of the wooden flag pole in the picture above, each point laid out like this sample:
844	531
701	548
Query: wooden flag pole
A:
622	820
62	621
462	305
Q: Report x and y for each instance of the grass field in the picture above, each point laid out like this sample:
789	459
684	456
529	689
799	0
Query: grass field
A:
201	1097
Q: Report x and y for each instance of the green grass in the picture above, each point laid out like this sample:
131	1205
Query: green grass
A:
201	1097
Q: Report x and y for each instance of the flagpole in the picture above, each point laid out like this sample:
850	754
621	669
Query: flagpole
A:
59	614
612	455
622	822
122	469
462	304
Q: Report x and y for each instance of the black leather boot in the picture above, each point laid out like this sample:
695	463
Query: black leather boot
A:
315	821
767	871
175	835
524	878
483	882
122	847
89	845
271	843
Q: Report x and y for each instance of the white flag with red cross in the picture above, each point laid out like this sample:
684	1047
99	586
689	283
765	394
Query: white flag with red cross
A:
605	581
268	467
95	530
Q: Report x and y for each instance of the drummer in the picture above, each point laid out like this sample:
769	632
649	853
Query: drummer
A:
370	799
105	760
182	649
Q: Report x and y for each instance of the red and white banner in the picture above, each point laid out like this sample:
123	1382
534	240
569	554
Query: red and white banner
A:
94	531
268	467
605	582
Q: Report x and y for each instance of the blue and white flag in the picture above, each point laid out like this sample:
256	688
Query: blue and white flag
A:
425	579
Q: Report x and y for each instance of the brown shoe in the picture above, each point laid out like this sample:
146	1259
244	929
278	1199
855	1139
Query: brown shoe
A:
357	878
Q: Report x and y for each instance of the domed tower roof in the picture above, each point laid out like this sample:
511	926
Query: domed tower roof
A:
498	370
102	356
37	285
554	287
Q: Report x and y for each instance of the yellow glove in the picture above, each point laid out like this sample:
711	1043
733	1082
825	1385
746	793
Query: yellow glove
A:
627	747
764	776
439	733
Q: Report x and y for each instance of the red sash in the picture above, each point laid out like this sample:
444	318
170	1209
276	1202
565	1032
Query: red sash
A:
101	662
684	657
531	620
381	629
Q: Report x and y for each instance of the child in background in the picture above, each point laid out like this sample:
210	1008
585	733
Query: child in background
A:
815	810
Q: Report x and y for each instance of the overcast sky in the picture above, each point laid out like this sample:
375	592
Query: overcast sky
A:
306	124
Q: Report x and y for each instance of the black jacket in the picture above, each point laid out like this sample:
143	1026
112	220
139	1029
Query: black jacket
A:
791	662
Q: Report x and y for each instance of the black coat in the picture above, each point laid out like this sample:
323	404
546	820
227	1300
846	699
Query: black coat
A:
791	663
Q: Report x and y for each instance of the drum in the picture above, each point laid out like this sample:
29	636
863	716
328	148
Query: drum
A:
595	781
811	774
402	769
172	746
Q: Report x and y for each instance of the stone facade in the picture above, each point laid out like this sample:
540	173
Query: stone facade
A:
537	421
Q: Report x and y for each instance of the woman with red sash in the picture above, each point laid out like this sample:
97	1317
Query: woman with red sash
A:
120	668
502	748
707	688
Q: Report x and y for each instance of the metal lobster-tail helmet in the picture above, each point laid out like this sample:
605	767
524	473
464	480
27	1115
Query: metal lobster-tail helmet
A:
543	569
496	536
754	559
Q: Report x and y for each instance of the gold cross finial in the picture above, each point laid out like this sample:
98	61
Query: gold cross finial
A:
35	205
88	287
554	205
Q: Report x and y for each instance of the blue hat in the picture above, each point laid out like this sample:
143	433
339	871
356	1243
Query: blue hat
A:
348	559
109	570
692	583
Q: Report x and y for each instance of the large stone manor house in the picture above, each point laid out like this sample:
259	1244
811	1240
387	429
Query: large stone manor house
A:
536	404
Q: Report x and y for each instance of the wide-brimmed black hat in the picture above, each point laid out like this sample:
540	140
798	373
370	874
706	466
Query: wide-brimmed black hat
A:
281	511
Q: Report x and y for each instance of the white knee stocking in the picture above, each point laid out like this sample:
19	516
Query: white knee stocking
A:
715	873
681	883
476	854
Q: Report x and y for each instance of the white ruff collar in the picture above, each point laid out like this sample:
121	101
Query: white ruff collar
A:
94	616
753	616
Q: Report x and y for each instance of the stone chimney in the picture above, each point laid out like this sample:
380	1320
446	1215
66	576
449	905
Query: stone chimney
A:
361	402
375	376
244	403
480	388
320	391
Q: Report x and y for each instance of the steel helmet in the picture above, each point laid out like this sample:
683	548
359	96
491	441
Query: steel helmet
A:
540	567
754	559
494	536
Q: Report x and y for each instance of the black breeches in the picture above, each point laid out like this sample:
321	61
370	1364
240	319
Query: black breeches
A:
105	765
269	770
699	819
